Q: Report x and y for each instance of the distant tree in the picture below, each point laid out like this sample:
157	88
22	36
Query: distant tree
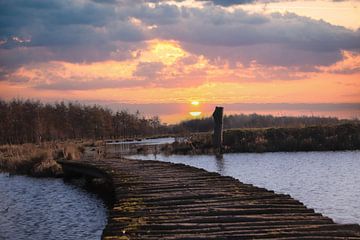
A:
24	121
257	121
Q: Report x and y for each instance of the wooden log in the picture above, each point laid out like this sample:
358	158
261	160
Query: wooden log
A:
218	127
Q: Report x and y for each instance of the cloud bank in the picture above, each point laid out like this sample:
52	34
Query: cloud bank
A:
245	46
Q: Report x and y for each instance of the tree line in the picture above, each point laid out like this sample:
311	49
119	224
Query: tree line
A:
23	121
259	121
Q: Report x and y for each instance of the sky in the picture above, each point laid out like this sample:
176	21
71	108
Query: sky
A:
267	56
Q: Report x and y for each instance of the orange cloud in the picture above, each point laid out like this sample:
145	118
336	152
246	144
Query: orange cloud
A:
164	72
349	64
330	11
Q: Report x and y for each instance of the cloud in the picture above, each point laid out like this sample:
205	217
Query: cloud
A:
266	54
285	40
227	3
349	64
65	24
149	70
78	84
217	27
73	23
281	46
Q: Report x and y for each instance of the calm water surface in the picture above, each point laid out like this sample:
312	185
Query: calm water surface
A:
329	182
150	141
32	208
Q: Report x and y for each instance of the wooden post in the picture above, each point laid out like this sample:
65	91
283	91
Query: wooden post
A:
218	127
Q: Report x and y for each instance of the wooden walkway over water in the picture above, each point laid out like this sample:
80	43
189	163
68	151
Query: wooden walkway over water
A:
158	200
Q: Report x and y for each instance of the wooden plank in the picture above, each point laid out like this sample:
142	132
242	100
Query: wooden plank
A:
158	200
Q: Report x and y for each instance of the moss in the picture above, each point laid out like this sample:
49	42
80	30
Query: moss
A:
127	207
116	238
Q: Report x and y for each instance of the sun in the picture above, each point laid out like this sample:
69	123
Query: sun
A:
195	103
195	114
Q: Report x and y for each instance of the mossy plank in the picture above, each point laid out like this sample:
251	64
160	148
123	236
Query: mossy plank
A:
158	200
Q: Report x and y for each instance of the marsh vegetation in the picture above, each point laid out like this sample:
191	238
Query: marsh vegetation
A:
313	138
38	160
34	135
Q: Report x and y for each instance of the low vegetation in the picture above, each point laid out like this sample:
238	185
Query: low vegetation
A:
314	138
39	160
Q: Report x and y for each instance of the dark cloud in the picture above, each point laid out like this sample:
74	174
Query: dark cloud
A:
227	3
162	14
105	1
224	3
285	40
347	71
266	54
217	27
65	23
149	70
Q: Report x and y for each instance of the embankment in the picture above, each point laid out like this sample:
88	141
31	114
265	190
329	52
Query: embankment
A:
315	138
39	160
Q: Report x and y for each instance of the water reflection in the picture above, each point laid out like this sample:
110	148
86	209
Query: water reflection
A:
114	148
219	158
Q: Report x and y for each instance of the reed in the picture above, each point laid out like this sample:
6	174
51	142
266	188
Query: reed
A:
38	159
314	138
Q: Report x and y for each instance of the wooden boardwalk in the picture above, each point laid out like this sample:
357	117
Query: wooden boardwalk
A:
158	200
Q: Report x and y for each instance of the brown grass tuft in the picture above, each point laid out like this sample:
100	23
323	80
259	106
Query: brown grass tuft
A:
38	160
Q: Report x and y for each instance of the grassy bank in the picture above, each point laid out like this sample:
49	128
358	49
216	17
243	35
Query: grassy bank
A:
314	138
39	160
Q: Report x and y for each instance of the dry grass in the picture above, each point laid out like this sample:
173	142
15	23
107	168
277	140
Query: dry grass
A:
197	143
38	160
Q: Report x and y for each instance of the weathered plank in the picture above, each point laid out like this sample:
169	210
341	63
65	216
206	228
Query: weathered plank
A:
158	200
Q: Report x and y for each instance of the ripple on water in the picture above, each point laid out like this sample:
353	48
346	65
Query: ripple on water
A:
32	208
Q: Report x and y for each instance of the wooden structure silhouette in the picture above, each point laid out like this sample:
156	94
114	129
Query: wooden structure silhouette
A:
218	127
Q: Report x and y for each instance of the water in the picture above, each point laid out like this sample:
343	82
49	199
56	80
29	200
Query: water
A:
329	182
119	148
32	208
150	141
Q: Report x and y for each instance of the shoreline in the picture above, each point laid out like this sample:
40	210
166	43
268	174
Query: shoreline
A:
39	160
316	138
102	194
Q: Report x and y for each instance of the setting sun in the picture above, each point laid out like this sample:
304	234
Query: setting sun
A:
195	103
195	114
